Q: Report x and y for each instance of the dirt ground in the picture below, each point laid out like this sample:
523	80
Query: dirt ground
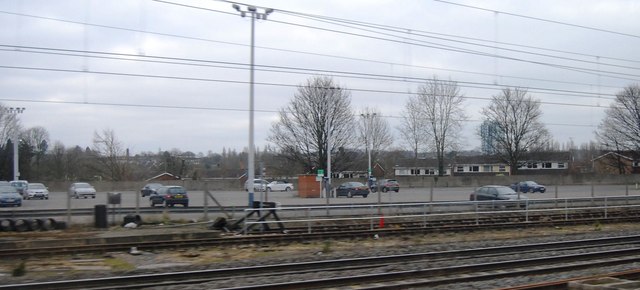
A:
140	260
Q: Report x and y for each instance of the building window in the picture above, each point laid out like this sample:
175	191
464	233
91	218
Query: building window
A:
502	168
546	165
487	168
561	165
460	169
532	165
474	168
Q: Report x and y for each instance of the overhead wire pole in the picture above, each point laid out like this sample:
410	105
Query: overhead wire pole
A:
251	162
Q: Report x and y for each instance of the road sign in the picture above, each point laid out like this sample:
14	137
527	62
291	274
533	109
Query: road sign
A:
320	172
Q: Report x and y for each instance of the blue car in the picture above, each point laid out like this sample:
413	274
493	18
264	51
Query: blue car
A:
528	186
9	196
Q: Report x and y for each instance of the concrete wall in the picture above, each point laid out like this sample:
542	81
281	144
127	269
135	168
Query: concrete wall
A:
233	184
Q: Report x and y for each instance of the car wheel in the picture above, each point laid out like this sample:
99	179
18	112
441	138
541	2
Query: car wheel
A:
186	205
397	190
384	189
364	195
287	189
531	190
349	194
151	203
268	189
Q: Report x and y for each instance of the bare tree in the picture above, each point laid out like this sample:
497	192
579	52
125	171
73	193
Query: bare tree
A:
320	110
374	132
440	105
108	152
412	127
620	129
519	128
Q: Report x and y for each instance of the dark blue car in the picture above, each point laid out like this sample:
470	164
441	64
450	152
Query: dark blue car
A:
528	186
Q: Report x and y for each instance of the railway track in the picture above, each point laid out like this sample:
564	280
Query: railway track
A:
426	269
321	232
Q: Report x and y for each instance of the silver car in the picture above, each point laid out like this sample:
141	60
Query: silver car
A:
82	189
37	190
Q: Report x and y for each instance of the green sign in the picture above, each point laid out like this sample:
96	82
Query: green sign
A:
320	172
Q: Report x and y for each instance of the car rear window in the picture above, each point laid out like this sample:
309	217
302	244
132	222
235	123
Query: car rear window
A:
177	190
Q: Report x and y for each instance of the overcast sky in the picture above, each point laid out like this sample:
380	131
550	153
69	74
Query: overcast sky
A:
174	74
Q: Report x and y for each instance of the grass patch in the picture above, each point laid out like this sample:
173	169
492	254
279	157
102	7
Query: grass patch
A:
20	270
119	264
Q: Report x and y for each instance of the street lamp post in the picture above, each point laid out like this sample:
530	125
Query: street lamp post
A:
367	135
253	11
367	127
15	141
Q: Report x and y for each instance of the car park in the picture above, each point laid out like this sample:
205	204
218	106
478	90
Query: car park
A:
149	188
279	185
528	186
258	185
9	196
169	196
81	189
351	189
386	185
36	191
20	185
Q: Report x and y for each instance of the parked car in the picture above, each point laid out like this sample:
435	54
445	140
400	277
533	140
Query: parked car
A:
386	185
20	185
351	189
9	196
504	194
149	188
169	196
258	185
82	189
279	185
37	190
528	186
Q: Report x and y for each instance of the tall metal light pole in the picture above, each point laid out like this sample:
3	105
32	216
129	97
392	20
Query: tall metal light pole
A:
367	128
367	132
253	11
15	141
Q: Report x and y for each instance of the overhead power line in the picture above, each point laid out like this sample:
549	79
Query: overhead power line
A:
271	68
541	19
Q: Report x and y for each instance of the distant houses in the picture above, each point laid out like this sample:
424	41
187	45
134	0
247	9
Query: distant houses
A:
543	163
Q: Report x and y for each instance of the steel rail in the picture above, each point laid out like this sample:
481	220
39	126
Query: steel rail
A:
190	277
270	238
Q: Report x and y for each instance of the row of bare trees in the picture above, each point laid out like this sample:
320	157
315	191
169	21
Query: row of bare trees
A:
319	120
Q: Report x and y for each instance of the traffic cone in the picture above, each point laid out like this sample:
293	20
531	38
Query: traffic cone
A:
381	225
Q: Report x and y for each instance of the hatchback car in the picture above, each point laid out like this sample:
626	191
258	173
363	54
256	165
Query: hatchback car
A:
351	189
82	189
280	185
528	186
9	196
502	194
258	185
20	185
149	188
37	191
169	196
386	185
